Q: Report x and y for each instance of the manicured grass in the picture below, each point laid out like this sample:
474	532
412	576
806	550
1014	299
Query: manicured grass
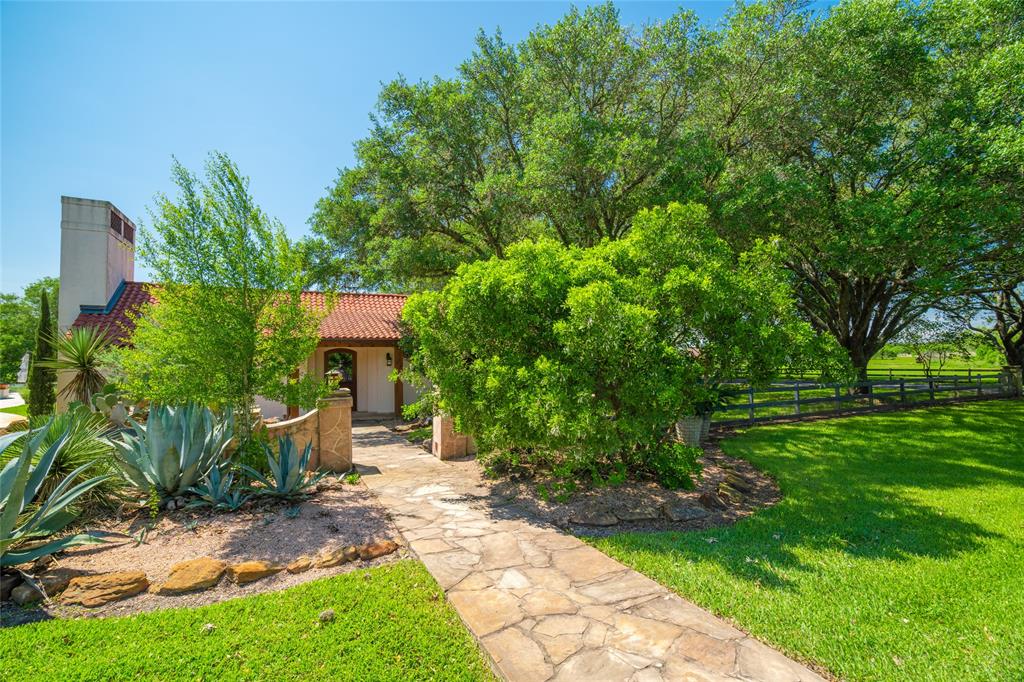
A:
909	362
391	623
897	552
17	409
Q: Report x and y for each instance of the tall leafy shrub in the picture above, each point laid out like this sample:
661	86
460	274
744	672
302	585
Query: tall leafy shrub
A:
583	357
42	379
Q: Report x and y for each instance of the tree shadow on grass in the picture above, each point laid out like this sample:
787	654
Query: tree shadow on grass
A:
864	487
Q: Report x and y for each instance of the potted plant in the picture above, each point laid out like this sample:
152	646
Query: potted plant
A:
5	391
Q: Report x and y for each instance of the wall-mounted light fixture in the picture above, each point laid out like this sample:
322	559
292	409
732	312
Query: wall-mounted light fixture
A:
387	358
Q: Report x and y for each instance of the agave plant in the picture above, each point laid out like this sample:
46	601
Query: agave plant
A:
24	525
288	477
177	447
217	491
79	352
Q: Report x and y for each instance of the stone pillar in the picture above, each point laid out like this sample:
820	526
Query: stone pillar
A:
446	443
336	431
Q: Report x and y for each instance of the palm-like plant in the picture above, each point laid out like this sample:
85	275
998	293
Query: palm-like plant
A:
175	448
24	524
79	353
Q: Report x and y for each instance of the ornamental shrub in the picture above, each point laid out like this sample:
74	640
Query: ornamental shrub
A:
42	379
580	359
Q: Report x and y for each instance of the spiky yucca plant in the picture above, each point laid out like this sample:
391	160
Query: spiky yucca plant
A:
28	517
79	353
87	445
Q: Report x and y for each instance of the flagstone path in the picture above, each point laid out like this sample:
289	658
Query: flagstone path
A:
544	605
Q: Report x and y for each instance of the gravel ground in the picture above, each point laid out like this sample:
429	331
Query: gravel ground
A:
336	516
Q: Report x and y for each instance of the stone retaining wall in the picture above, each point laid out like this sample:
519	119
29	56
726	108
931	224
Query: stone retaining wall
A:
328	428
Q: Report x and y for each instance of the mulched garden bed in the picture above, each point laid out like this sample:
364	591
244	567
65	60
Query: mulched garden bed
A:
729	489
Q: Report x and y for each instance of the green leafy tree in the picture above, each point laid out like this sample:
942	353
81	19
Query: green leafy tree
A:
19	318
42	379
229	323
586	356
565	135
882	146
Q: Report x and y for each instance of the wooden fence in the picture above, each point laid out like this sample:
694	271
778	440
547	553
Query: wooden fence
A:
750	404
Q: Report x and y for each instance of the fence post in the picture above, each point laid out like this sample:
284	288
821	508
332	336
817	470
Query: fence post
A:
796	399
956	386
871	393
903	390
980	393
931	390
837	401
890	374
750	404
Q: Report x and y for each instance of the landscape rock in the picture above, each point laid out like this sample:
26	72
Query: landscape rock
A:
377	549
56	580
739	483
642	512
97	590
195	574
729	493
593	515
327	615
249	571
684	512
8	581
351	553
25	594
710	500
332	558
300	565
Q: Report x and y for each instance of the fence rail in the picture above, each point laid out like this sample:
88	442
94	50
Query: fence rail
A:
805	398
894	373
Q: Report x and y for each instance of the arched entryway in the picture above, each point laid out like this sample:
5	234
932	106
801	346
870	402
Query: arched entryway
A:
340	371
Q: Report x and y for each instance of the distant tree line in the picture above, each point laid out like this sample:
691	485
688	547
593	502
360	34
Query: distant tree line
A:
880	141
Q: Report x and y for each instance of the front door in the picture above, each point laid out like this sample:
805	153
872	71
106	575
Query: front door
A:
340	371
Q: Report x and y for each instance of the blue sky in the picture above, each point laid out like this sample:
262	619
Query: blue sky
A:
97	97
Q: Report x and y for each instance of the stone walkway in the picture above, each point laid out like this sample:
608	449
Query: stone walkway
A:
544	604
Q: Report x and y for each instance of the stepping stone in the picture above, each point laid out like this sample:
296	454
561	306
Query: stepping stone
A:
517	656
486	611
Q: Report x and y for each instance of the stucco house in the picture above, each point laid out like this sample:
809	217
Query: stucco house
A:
358	337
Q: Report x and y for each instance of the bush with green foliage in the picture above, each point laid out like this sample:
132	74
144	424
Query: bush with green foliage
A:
175	448
28	513
42	379
288	477
584	357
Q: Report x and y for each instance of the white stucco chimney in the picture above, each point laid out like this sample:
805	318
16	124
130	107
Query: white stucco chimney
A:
97	253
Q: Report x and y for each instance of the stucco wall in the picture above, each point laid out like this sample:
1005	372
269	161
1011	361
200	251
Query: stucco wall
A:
374	393
93	260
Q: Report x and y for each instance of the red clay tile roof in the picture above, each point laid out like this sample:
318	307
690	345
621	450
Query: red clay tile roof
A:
354	317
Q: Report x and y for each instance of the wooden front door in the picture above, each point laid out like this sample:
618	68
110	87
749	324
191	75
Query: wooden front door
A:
340	371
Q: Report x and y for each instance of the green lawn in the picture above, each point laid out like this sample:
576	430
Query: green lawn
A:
908	362
392	623
897	552
18	409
